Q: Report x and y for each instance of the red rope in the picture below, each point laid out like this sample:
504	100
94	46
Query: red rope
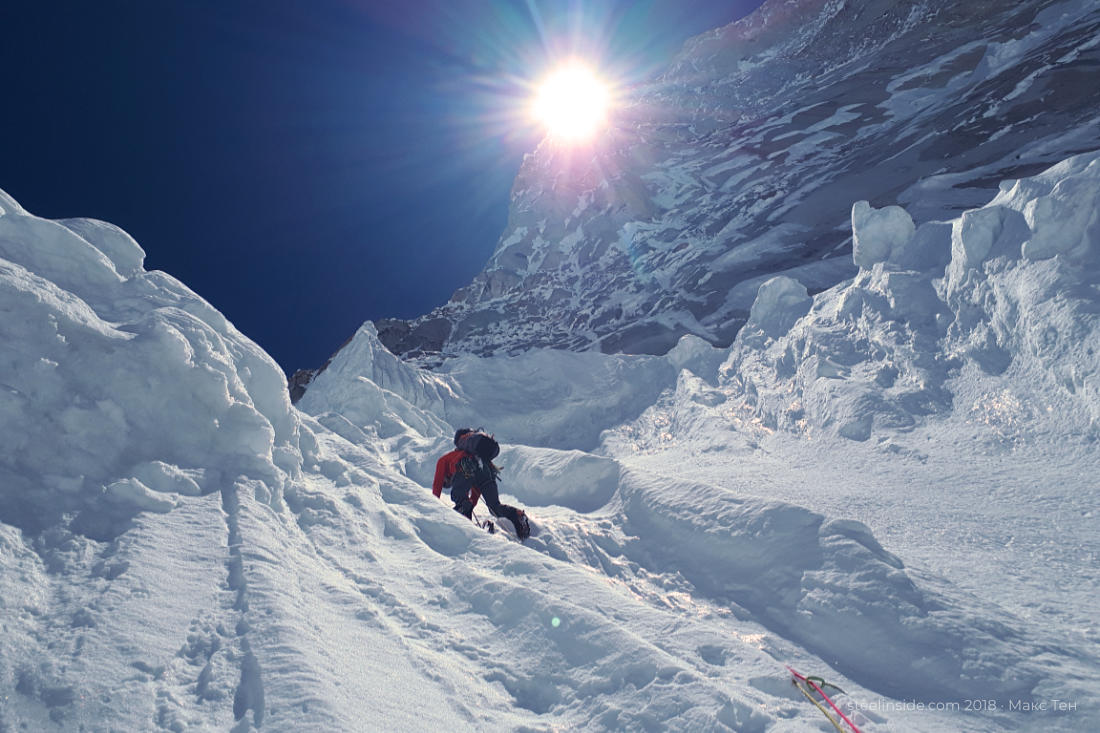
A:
821	692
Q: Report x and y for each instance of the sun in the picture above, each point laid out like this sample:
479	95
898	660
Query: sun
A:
572	103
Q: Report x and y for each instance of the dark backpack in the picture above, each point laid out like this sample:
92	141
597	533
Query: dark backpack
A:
482	445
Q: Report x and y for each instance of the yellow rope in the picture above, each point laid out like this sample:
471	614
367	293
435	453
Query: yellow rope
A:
818	706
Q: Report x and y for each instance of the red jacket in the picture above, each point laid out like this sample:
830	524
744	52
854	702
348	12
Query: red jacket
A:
445	469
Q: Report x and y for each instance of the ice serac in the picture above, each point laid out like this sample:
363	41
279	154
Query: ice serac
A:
991	313
102	354
741	163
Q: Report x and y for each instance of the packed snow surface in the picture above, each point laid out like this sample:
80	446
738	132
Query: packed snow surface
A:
890	484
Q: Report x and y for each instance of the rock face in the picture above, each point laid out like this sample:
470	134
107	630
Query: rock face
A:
742	161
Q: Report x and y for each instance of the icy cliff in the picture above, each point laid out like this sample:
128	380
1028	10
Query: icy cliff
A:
742	161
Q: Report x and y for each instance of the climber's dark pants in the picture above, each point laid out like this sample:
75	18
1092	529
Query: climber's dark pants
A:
461	498
465	507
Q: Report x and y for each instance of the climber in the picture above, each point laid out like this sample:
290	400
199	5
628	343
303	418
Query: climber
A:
470	474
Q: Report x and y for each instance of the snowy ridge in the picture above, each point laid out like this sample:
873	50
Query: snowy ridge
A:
181	549
126	395
82	300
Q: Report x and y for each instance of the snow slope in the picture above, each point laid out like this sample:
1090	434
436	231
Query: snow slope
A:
890	483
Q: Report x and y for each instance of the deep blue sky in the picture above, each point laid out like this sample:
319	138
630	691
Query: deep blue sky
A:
306	165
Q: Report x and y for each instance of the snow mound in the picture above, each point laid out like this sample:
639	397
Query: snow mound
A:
697	356
827	584
1062	209
546	477
934	313
151	392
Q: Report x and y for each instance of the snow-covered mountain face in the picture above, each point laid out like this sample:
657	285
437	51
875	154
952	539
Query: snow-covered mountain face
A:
742	161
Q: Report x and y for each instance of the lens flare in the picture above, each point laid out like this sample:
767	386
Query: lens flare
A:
572	103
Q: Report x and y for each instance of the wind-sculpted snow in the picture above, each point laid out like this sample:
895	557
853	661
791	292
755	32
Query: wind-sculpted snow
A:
546	477
937	315
132	414
122	390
